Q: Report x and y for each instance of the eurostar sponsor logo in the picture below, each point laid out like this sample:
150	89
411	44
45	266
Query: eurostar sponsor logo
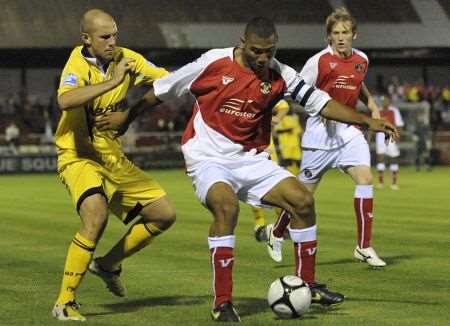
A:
234	106
343	81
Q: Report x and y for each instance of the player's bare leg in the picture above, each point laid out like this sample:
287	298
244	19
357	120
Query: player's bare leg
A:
224	205
381	167
363	204
296	199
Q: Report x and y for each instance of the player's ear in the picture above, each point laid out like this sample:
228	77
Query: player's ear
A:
85	38
242	42
355	35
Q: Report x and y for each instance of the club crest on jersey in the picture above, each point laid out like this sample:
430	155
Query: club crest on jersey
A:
226	80
359	67
265	87
333	65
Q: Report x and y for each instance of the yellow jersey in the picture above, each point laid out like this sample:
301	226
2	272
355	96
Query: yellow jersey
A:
76	137
288	132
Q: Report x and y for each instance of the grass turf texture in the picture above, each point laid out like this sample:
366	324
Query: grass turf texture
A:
170	281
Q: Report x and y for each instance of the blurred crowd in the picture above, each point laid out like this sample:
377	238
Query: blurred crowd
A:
415	92
27	118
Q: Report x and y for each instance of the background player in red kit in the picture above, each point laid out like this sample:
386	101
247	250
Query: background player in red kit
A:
234	90
339	70
392	114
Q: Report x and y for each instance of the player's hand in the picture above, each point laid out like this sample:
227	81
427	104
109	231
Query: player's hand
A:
113	121
380	125
122	68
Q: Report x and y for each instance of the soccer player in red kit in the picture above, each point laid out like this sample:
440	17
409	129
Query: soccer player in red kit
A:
392	114
339	70
234	90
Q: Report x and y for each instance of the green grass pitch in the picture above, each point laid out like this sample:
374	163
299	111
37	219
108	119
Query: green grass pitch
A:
170	281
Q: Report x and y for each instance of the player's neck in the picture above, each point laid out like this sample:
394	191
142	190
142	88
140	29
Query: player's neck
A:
343	54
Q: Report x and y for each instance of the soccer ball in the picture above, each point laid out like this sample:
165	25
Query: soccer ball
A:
289	297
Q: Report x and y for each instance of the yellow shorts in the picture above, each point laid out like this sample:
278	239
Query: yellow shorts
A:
126	187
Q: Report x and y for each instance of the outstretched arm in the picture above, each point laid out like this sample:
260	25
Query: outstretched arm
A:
334	110
120	121
366	97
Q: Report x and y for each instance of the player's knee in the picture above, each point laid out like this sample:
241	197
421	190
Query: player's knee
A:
305	205
163	217
365	180
229	210
168	219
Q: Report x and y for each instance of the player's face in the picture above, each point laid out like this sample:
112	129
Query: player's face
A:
103	40
257	51
341	38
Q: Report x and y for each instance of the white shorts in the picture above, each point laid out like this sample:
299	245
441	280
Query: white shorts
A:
315	162
390	150
250	178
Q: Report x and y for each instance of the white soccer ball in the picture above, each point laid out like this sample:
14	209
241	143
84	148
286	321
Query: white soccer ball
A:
289	297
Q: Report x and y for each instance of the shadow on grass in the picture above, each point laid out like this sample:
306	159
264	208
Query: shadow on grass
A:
390	260
247	306
362	299
134	305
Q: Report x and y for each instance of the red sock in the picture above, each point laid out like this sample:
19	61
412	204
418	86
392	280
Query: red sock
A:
381	177
281	224
394	177
222	259
363	203
305	260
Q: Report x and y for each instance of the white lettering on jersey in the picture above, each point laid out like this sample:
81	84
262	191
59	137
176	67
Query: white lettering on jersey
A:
226	80
225	262
342	81
234	107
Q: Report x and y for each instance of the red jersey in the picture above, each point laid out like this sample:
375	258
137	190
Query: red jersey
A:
232	107
342	80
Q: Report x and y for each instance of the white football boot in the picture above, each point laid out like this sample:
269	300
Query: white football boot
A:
274	244
369	256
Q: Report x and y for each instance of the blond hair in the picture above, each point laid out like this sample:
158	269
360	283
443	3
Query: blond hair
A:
340	14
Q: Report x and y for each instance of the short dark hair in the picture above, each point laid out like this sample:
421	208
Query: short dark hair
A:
261	26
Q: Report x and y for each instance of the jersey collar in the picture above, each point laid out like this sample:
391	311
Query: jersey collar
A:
93	60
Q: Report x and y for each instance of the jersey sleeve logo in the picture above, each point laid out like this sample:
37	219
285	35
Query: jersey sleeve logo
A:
226	80
70	80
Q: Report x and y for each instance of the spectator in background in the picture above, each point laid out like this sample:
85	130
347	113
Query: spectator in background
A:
390	149
422	138
12	136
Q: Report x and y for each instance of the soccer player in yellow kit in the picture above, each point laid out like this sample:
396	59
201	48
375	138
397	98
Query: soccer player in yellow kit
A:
285	149
92	166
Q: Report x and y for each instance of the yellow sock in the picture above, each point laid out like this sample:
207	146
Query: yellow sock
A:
259	216
78	258
139	236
